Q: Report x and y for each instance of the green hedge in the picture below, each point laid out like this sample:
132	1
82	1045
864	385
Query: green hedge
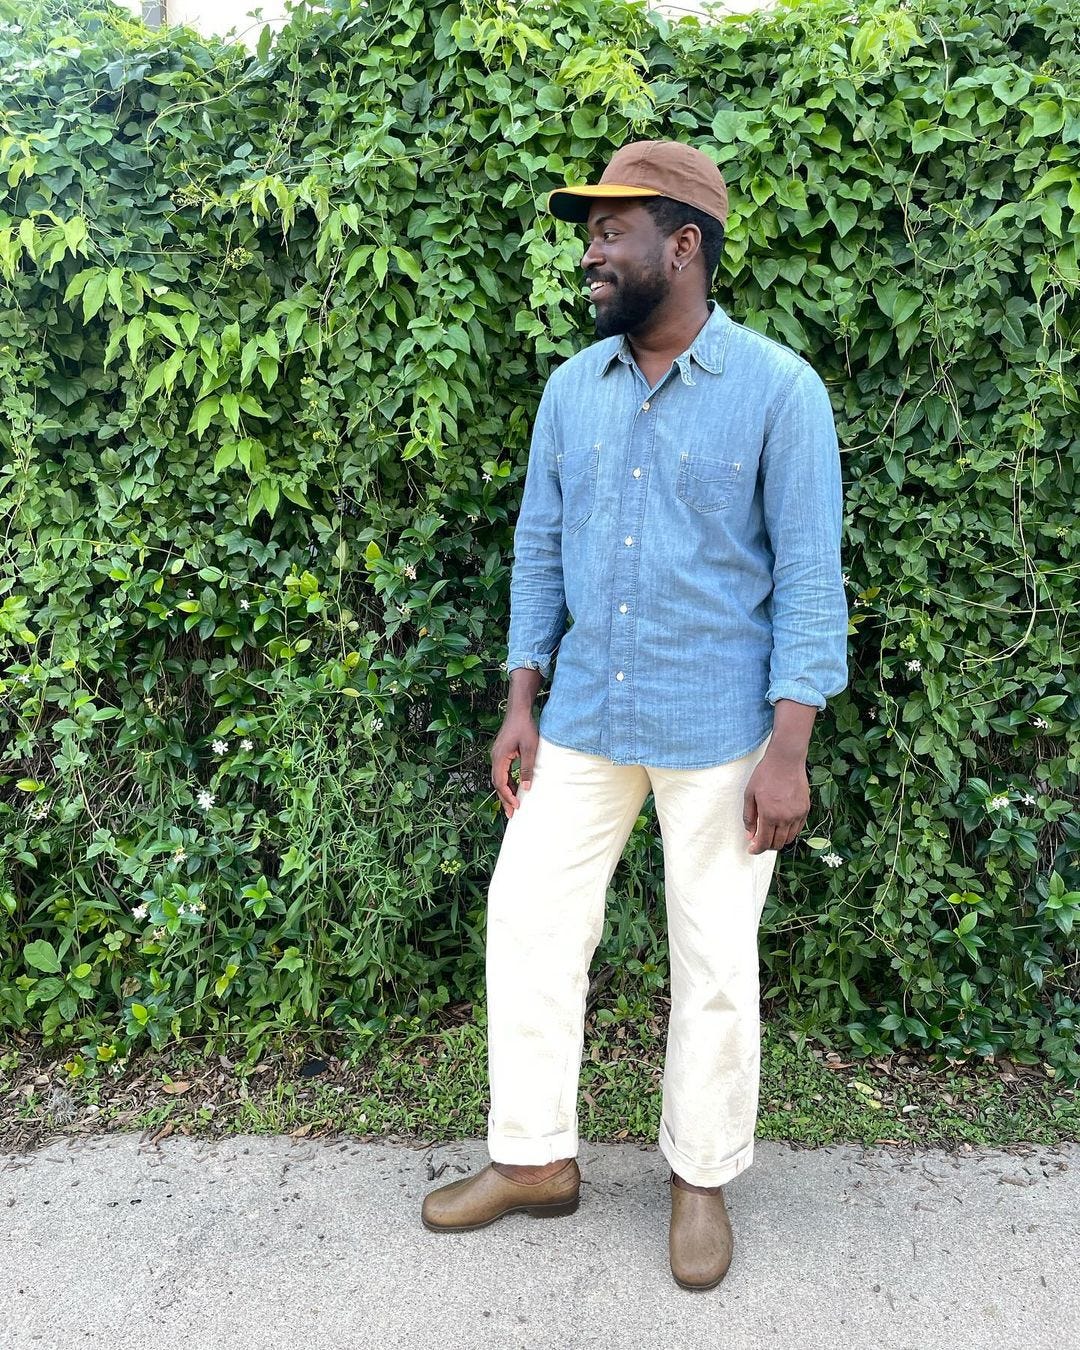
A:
273	329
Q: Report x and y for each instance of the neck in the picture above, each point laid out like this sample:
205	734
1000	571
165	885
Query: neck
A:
671	328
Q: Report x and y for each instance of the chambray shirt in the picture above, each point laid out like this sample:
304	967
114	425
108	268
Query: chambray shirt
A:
691	532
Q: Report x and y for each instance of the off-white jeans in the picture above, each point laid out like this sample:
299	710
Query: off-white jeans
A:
546	915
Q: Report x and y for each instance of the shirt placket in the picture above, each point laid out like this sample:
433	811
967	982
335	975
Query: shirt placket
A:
622	702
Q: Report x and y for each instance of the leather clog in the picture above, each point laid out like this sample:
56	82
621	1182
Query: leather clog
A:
700	1241
476	1201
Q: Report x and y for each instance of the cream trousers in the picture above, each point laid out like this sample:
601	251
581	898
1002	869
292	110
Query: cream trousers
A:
546	915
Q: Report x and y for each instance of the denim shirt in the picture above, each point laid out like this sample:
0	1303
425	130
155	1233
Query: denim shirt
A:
691	532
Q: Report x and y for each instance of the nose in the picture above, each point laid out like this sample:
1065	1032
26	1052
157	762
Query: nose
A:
592	257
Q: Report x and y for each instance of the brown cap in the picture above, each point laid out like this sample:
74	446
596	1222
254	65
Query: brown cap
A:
650	169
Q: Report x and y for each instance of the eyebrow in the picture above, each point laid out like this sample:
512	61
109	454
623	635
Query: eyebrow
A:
601	220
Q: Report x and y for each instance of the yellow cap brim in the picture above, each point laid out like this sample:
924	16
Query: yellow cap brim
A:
573	203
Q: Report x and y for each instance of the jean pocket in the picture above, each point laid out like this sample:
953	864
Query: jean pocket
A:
577	479
705	483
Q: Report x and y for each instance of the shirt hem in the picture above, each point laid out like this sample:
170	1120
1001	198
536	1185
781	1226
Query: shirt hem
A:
657	764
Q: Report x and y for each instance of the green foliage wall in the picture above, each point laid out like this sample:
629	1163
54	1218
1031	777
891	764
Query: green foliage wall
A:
272	331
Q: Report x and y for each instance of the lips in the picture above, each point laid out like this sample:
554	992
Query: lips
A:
598	290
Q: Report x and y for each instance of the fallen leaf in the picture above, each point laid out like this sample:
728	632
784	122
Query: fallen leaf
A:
175	1089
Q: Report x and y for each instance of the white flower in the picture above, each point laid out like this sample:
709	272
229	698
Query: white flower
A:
205	800
846	579
832	860
410	572
190	595
487	478
244	604
219	747
914	665
997	803
179	855
247	744
859	602
377	724
403	610
1028	799
1039	722
24	678
872	714
139	912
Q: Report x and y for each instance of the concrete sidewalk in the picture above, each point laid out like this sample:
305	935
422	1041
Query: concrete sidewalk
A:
271	1244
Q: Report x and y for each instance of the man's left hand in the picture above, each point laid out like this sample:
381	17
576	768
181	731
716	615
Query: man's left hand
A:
776	803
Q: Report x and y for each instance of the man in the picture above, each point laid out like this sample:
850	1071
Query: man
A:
682	505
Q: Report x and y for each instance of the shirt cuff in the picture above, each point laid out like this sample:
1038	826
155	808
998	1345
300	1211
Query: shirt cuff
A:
534	662
798	693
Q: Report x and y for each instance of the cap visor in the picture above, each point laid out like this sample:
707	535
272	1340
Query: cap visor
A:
574	203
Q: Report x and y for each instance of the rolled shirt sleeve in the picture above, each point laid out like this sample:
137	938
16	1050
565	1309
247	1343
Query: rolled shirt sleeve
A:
803	508
538	611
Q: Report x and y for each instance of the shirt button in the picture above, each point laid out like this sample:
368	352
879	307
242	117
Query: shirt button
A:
628	540
622	609
645	406
637	473
620	676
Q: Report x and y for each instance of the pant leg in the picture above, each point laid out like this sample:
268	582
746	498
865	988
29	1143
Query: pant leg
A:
545	917
715	892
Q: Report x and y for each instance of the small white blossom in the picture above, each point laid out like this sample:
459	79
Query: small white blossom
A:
244	604
403	610
24	678
999	803
914	666
191	595
410	572
872	714
247	744
832	860
377	724
219	747
40	811
1039	722
845	579
205	800
139	912
487	478
859	602
1028	799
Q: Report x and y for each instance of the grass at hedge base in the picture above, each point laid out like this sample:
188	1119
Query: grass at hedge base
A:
431	1085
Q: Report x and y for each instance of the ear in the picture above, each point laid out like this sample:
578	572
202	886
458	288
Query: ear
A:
687	243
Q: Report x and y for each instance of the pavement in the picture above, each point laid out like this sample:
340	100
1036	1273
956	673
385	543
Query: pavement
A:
270	1243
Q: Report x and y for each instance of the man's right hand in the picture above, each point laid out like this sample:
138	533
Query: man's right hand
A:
517	740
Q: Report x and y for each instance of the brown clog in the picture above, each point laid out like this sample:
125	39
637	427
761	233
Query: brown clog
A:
700	1241
476	1201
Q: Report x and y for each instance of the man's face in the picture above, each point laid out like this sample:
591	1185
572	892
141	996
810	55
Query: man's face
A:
626	266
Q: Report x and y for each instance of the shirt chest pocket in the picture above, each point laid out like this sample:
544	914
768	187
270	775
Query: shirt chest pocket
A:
706	483
577	480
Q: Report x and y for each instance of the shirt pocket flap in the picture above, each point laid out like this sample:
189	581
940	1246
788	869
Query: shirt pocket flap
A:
705	482
577	480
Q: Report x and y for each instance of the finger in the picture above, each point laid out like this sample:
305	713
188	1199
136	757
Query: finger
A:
504	784
764	836
525	767
749	814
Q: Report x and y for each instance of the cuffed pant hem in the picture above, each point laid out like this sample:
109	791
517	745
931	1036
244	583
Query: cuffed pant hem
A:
719	1175
531	1152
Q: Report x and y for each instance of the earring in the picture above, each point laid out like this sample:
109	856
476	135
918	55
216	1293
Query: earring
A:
681	266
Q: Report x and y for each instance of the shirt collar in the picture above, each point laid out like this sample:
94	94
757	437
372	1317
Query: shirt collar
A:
707	349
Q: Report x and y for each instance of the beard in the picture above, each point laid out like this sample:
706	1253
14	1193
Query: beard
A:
635	299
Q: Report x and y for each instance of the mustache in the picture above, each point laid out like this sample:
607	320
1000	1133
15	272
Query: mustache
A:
591	276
